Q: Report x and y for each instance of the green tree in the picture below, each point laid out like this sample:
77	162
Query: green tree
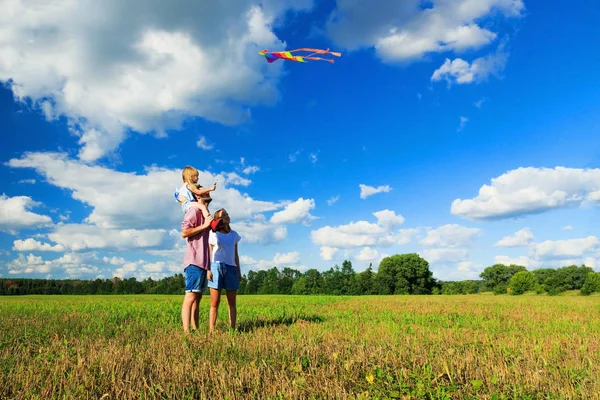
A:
522	282
591	284
405	274
497	276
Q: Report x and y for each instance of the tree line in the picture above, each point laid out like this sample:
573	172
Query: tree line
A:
397	274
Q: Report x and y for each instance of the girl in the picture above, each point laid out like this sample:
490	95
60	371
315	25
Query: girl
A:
187	195
225	272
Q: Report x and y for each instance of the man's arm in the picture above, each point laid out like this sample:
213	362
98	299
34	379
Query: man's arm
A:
188	232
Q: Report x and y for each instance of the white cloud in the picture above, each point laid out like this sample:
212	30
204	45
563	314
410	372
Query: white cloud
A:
15	214
405	31
332	200
138	65
462	124
461	72
530	190
388	219
73	265
294	156
328	253
550	249
109	192
523	261
479	103
445	255
367	254
295	212
27	181
355	234
287	258
78	237
251	169
567	228
522	237
203	144
280	260
30	244
366	191
260	232
450	235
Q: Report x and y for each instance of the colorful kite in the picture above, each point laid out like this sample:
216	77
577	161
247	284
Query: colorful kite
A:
273	56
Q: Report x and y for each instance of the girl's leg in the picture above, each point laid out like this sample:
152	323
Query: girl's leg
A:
215	299
231	302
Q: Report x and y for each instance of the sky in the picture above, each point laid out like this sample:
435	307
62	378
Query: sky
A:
467	131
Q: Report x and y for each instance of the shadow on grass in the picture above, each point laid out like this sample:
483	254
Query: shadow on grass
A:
250	325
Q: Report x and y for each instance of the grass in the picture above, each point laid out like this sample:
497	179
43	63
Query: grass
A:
413	347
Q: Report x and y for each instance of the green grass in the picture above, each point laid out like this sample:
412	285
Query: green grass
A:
438	347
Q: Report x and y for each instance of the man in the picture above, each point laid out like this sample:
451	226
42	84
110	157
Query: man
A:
196	262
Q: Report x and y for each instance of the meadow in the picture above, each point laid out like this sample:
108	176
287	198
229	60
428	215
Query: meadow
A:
413	347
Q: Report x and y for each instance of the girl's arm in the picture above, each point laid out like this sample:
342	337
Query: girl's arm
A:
209	272
200	192
237	262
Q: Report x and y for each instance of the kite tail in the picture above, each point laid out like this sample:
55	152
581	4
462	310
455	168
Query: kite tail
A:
317	51
318	59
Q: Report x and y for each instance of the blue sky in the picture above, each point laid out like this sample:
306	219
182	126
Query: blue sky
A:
466	131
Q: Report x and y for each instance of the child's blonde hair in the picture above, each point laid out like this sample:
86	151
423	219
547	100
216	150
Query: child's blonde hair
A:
187	174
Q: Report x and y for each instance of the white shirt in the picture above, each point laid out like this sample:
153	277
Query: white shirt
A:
224	246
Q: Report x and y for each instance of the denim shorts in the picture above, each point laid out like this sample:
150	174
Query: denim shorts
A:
224	276
195	279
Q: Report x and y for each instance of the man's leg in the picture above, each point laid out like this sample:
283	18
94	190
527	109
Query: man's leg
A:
186	310
195	311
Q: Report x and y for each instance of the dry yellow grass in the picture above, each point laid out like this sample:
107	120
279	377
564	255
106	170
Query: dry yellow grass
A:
413	347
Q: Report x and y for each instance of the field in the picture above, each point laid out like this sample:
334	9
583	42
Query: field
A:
440	347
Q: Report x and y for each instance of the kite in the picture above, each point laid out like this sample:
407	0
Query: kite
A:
273	56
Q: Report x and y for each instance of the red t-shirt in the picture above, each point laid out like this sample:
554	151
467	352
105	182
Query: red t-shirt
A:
197	251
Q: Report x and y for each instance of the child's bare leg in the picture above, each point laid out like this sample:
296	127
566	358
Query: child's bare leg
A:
202	208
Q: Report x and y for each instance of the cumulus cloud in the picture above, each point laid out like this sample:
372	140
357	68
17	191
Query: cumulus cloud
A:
366	191
203	144
298	211
279	260
30	244
73	265
445	255
462	72
88	266
388	219
522	237
109	192
328	253
566	248
140	66
257	231
363	234
367	254
531	190
15	214
524	261
402	31
450	235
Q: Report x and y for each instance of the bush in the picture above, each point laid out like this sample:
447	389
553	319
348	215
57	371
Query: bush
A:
521	282
591	284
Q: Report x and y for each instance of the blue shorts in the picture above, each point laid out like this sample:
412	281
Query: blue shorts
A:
224	276
195	279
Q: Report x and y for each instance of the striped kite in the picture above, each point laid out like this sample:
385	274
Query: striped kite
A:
273	56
